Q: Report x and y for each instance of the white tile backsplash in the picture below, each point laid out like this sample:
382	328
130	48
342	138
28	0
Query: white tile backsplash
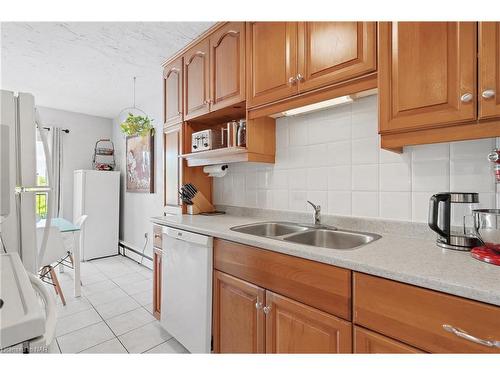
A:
333	158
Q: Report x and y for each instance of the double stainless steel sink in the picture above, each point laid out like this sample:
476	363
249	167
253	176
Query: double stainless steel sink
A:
312	235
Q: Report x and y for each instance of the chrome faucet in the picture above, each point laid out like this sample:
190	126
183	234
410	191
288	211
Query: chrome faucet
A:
317	213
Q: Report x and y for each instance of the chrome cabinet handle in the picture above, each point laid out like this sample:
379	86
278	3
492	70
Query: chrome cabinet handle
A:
258	305
464	335
267	309
299	77
466	98
292	80
487	94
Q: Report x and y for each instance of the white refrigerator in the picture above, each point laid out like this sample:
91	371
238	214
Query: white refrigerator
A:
97	195
25	323
18	129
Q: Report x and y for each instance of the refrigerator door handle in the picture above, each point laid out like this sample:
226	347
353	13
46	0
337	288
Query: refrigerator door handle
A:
31	189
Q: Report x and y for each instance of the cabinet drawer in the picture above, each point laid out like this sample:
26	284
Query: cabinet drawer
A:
325	287
157	236
416	316
368	342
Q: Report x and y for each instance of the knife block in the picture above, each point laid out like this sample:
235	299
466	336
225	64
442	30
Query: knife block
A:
200	205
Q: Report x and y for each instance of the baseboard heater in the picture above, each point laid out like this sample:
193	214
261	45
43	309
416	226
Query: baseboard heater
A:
123	248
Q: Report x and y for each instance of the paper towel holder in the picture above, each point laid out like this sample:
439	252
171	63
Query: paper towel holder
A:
218	170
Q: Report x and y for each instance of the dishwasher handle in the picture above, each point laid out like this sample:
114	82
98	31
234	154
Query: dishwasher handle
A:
182	235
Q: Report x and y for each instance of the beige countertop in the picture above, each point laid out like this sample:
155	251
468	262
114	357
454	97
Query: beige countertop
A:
410	260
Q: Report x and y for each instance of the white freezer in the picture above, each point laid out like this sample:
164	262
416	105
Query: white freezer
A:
97	194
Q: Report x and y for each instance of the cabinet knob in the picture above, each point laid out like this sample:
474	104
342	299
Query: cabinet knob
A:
300	77
487	94
258	305
466	98
292	80
267	309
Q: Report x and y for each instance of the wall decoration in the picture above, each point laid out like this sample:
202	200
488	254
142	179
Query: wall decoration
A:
140	163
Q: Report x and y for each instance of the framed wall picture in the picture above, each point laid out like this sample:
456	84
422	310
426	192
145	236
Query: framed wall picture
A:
140	163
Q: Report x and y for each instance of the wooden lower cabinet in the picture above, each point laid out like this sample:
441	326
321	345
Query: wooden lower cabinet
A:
157	256
292	327
432	321
368	342
238	325
249	319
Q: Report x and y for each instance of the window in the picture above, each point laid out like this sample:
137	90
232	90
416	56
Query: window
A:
41	179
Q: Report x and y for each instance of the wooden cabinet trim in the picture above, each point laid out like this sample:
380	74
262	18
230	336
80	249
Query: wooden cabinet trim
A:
172	168
369	342
157	280
303	329
450	133
223	344
319	285
416	315
348	87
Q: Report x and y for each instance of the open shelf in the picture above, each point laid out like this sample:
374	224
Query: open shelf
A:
224	156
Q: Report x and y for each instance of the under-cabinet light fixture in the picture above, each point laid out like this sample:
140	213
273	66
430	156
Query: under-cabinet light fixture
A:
320	105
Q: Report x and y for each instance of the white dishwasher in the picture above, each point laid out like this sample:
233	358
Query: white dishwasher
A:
186	307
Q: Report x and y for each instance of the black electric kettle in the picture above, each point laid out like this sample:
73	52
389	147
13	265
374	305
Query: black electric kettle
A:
450	222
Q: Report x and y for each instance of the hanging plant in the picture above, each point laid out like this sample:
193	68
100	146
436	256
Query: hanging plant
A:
137	125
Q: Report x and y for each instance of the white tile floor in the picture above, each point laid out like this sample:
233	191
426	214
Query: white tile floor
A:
114	313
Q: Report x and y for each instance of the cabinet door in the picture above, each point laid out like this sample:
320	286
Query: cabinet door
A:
331	52
227	65
271	61
171	165
368	342
292	327
489	69
238	316
157	255
172	92
196	80
427	74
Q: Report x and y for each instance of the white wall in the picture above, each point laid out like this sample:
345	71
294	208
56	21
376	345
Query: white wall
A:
333	158
136	209
78	145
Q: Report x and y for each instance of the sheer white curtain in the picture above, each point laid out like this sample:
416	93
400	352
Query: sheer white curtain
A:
57	166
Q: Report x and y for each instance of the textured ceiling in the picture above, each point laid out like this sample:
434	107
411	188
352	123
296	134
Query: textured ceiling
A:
88	67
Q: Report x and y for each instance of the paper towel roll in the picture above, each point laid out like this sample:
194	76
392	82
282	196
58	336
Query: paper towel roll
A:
219	170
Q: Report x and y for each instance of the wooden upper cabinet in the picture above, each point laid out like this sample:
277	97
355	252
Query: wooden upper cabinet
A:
238	324
368	342
292	327
271	61
172	93
489	69
227	65
427	74
196	80
331	52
